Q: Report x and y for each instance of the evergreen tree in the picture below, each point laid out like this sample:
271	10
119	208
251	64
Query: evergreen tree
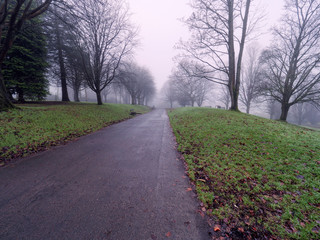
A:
25	65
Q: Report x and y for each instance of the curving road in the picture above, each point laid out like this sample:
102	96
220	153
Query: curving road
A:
123	182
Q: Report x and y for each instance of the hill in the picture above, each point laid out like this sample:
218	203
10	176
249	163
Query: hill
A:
256	178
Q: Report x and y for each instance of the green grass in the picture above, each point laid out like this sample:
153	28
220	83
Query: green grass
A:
252	173
35	128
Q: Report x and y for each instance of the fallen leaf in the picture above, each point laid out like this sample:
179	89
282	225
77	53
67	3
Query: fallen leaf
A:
189	189
201	213
168	234
240	229
216	228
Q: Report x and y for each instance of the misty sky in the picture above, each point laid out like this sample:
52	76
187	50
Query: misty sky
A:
160	30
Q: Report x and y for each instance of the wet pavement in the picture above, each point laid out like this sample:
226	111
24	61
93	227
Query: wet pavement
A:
122	182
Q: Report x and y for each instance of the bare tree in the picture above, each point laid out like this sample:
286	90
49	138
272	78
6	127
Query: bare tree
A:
148	90
292	62
106	91
169	92
273	108
225	97
312	115
298	113
74	69
105	38
219	29
304	114
249	89
59	21
138	82
187	87
12	16
202	91
121	95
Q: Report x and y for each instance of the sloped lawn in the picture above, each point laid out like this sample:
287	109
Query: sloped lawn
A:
36	127
256	178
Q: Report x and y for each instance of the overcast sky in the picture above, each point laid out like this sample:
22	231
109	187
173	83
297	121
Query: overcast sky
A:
161	29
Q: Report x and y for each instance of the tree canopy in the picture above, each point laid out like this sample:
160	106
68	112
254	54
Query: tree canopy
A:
25	66
13	14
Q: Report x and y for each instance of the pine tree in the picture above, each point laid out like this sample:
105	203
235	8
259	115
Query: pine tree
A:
25	65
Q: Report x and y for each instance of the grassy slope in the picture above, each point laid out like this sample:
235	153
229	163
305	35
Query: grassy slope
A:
256	177
37	127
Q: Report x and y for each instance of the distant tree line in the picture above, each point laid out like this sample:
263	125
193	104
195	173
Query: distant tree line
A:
71	44
285	75
184	88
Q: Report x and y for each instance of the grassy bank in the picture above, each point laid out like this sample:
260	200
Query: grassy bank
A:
257	178
36	127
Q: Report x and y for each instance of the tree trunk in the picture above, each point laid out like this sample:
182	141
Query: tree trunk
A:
99	100
231	53
63	74
248	108
234	95
133	100
5	102
86	94
20	95
239	63
284	111
76	94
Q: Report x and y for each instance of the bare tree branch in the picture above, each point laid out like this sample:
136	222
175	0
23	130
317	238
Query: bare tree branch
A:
292	63
219	30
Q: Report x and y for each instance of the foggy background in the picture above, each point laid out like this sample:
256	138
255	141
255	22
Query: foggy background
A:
161	28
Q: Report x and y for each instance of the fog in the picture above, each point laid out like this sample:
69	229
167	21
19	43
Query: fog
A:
161	28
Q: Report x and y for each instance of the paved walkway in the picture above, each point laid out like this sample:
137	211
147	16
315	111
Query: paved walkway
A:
123	182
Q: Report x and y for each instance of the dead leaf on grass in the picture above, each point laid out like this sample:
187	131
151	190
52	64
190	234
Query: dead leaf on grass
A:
217	228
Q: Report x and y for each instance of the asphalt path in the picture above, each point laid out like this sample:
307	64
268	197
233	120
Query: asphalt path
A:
123	182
